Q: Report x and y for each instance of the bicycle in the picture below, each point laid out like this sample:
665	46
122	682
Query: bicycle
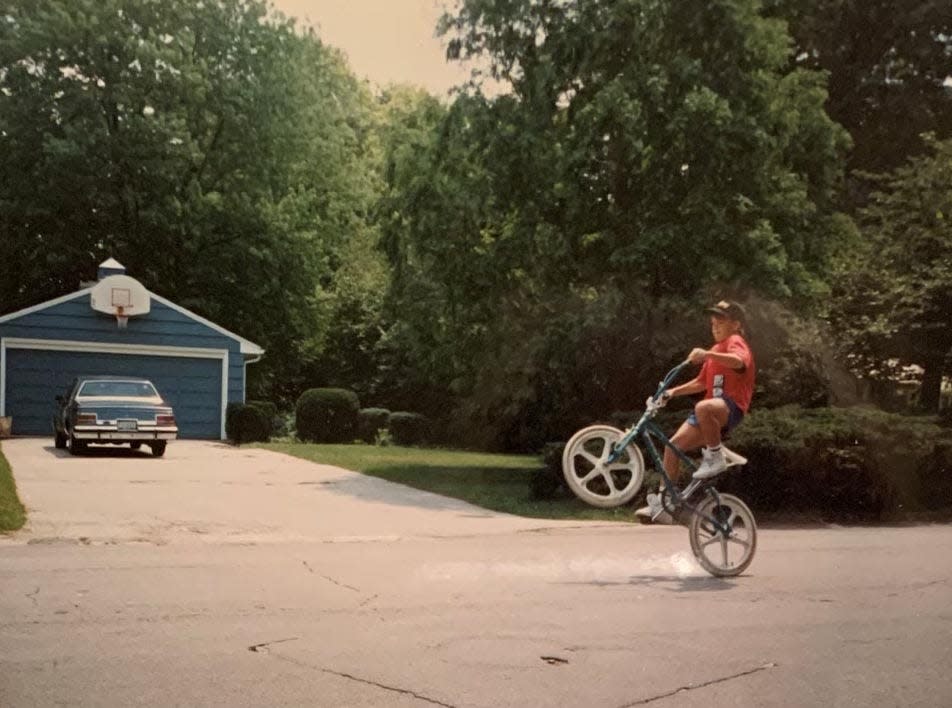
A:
603	467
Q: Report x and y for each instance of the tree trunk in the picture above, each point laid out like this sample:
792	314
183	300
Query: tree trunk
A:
931	388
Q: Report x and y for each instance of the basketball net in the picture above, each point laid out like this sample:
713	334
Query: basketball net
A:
121	318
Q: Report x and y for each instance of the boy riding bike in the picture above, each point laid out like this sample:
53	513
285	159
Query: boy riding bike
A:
727	381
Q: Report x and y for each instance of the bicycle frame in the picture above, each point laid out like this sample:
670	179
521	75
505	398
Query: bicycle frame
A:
647	429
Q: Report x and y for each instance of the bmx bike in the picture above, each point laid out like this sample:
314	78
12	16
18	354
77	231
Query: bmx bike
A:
604	467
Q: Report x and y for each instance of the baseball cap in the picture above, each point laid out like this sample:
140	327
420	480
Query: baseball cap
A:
729	309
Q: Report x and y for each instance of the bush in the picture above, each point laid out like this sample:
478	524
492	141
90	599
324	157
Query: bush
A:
547	482
842	463
327	415
370	421
270	411
410	428
246	423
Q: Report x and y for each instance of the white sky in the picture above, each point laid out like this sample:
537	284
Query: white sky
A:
385	40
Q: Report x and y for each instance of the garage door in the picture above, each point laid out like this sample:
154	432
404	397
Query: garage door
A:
34	377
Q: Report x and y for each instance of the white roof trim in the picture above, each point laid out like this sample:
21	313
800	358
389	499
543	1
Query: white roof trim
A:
111	263
247	347
43	305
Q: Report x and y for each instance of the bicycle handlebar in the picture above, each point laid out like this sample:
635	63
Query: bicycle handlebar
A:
669	378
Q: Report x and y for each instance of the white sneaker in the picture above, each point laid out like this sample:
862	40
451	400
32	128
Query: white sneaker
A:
655	510
712	464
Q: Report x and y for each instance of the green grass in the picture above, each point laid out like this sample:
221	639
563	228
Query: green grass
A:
12	513
496	482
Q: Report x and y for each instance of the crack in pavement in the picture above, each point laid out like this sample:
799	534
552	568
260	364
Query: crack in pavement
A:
264	645
358	679
330	579
693	687
32	595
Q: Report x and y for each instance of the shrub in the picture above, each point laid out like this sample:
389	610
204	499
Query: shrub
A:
370	421
327	415
842	463
410	428
270	411
547	482
246	423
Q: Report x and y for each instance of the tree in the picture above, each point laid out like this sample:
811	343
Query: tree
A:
893	300
888	63
646	153
211	148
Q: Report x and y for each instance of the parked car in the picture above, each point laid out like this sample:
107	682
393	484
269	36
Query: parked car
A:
113	410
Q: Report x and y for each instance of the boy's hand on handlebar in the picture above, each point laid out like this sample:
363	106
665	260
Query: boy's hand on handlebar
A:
661	402
697	355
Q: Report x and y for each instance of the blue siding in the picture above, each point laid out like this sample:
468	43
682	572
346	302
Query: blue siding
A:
34	377
192	384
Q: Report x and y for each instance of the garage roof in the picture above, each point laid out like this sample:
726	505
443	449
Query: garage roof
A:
248	348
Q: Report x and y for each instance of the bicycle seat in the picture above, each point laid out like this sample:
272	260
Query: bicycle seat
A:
732	458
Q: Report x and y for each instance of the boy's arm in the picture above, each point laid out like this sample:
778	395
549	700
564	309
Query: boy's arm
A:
686	389
731	361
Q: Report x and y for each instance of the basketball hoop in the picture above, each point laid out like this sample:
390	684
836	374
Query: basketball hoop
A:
121	297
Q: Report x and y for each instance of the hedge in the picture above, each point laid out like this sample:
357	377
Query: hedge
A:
410	428
370	421
327	415
246	423
841	464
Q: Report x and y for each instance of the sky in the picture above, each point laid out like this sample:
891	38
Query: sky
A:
385	40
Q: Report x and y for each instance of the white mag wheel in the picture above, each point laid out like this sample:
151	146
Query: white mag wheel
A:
589	474
719	554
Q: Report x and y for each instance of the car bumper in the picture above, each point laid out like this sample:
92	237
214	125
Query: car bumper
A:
112	435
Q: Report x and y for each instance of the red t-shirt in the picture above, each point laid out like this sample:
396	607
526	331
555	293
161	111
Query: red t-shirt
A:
720	380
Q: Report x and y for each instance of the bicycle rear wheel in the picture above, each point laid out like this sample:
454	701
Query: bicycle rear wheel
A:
723	555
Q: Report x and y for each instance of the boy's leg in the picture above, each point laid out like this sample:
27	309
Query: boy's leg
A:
712	415
689	437
686	439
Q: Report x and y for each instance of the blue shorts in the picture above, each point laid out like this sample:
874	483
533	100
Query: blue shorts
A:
734	416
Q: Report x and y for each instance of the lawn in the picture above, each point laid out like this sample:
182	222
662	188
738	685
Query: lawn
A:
12	513
496	482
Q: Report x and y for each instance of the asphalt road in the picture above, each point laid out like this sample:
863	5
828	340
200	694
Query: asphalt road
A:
225	577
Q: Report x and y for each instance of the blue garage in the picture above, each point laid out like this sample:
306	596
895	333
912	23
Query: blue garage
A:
116	327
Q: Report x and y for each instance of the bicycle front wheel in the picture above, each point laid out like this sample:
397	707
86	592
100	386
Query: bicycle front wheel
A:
592	477
723	554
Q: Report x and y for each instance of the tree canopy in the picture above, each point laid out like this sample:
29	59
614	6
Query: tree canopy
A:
893	299
216	152
647	152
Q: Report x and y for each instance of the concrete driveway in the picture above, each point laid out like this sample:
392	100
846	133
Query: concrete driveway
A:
224	577
214	493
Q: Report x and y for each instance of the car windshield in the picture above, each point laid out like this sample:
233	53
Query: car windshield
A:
123	389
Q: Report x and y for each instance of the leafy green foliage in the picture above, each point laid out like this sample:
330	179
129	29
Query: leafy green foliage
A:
893	299
12	513
887	61
842	463
370	421
245	423
410	428
221	156
647	155
327	415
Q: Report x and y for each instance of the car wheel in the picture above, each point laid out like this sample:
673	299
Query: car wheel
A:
76	447
158	448
135	445
59	440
